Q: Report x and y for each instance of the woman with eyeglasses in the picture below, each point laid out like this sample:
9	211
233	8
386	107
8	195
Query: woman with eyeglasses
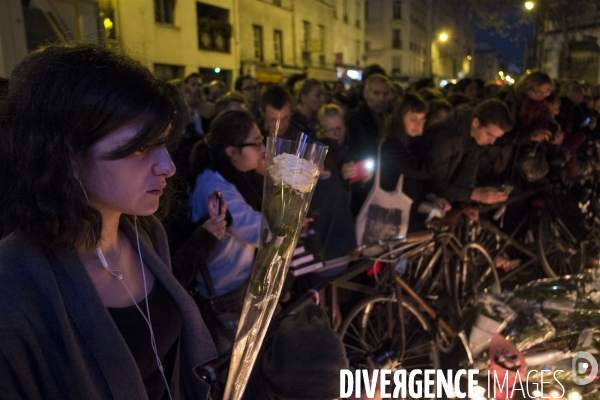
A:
224	161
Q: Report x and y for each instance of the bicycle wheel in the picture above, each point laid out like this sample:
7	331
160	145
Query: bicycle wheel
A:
560	253
488	239
475	274
373	328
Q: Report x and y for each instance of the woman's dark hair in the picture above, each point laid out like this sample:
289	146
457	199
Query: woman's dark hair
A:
229	128
290	83
457	100
429	94
61	101
435	109
553	98
462	85
305	87
394	124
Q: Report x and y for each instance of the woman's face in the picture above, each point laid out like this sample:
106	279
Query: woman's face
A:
131	185
554	107
413	123
471	91
539	93
247	156
314	99
334	128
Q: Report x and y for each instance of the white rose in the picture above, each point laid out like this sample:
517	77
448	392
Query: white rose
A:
293	171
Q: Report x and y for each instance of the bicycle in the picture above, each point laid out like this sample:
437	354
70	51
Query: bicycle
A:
410	336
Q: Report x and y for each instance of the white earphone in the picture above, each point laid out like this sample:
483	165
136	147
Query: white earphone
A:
119	276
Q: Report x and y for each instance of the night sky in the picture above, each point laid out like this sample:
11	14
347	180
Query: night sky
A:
510	49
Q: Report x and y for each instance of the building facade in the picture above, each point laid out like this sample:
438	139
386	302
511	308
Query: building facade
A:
316	37
574	54
25	26
221	39
173	38
487	65
452	58
403	36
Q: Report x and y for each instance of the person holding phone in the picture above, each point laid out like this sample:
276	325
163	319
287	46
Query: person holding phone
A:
232	149
402	153
331	125
191	257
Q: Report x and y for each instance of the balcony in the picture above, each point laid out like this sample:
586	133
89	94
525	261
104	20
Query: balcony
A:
214	35
214	29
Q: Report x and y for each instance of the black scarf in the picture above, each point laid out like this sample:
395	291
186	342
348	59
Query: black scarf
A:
244	182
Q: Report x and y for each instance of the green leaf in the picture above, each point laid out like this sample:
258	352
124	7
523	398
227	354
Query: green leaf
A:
284	209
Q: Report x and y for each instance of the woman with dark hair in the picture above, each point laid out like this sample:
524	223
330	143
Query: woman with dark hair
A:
469	88
403	153
225	160
437	111
88	304
310	98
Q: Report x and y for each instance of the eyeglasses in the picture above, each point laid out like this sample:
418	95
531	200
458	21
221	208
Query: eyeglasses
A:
250	88
258	145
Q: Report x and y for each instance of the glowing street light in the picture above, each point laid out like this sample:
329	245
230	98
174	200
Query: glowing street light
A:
443	37
529	5
108	24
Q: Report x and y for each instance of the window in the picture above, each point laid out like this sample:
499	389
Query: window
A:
396	65
345	3
366	10
357	50
278	43
367	46
214	29
258	42
322	36
358	14
306	34
164	11
277	3
167	72
322	39
397	9
396	40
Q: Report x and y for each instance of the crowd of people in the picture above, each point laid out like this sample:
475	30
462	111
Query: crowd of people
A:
98	300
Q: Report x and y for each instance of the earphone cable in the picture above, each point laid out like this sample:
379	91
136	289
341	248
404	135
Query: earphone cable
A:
119	276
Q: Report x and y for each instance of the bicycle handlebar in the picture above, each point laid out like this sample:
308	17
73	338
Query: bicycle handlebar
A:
408	239
419	236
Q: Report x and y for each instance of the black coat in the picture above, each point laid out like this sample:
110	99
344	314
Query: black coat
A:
363	130
452	157
362	133
396	160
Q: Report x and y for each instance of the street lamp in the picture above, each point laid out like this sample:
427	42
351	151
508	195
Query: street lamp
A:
443	37
529	5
